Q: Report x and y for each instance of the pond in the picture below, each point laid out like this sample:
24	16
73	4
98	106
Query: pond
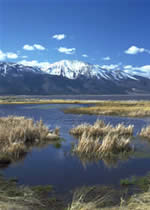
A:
55	165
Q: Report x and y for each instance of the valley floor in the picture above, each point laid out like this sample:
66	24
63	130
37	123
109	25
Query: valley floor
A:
126	108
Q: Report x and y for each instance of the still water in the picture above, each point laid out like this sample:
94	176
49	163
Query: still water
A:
57	166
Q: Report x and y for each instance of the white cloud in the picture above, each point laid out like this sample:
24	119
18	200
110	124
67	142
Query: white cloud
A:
68	51
85	56
33	47
28	47
133	50
59	36
43	65
107	58
39	47
2	56
132	68
9	55
138	70
110	67
145	68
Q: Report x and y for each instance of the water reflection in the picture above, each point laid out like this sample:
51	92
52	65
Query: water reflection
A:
141	151
18	157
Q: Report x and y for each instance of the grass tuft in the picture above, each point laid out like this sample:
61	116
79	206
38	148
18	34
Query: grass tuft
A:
145	132
19	134
100	129
102	141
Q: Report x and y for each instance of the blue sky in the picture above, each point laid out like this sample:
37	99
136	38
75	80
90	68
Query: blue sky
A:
104	32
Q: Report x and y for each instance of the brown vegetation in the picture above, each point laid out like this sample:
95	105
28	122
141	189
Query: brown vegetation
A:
19	134
95	148
113	143
101	141
119	108
145	132
100	129
108	198
17	197
136	202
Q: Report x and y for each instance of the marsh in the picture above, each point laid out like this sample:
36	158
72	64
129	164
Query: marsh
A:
57	165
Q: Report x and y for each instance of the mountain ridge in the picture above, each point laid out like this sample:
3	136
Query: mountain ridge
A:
68	77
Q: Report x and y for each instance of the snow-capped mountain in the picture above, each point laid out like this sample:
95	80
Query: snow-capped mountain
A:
75	69
69	77
16	69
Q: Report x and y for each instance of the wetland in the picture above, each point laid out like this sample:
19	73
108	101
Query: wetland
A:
56	164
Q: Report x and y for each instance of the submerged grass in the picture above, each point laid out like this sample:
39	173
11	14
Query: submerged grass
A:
143	183
126	199
136	202
17	197
19	134
90	198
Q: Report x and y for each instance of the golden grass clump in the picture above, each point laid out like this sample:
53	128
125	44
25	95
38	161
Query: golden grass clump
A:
121	129
101	141
113	143
87	146
18	134
145	132
100	129
80	129
21	129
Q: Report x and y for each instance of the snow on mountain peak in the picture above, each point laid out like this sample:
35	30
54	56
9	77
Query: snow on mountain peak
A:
75	69
15	68
70	69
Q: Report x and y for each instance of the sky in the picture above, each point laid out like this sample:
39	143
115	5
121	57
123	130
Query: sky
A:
111	33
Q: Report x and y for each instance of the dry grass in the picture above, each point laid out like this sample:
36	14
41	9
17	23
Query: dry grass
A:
18	134
45	101
21	129
112	144
100	129
145	132
87	146
102	141
139	201
91	198
119	108
18	197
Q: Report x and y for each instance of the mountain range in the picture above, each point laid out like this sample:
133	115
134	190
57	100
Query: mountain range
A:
69	77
